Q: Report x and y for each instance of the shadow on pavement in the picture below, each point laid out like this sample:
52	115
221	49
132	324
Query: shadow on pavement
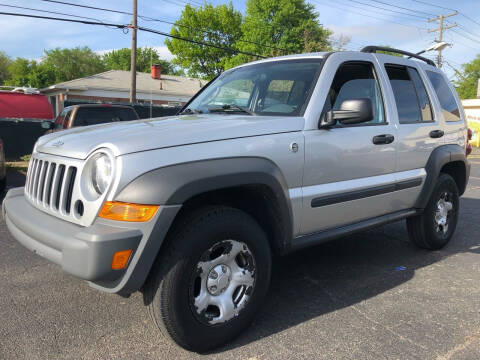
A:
15	178
345	272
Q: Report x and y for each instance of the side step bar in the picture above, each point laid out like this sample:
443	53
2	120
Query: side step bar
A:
304	241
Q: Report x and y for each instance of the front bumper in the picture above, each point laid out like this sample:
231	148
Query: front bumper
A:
85	252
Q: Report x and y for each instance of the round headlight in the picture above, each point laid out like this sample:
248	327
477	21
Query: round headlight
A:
101	172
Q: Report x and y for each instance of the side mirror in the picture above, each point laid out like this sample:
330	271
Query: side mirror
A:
352	111
48	125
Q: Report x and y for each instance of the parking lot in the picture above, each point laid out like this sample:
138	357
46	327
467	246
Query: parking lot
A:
369	296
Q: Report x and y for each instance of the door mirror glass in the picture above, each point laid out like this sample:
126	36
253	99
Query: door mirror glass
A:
352	111
47	125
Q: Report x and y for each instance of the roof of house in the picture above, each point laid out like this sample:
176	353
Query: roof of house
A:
119	80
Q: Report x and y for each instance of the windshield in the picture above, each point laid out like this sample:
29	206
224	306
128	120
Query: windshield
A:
271	88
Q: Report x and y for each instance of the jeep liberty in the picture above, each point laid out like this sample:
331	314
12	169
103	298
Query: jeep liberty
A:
270	157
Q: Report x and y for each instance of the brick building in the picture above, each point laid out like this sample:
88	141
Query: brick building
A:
114	86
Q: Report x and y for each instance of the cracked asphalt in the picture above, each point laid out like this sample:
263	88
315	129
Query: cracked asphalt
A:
369	296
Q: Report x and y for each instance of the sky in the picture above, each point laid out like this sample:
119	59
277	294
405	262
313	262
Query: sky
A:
365	22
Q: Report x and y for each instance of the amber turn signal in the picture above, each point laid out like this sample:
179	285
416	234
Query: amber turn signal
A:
120	211
120	259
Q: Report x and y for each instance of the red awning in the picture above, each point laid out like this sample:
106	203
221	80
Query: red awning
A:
26	106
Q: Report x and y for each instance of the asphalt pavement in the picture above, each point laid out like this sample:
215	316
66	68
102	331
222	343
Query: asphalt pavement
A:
369	296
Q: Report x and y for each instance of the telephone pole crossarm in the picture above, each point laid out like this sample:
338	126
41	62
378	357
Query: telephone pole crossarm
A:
440	31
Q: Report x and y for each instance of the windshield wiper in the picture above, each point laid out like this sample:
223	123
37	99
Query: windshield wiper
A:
231	107
189	111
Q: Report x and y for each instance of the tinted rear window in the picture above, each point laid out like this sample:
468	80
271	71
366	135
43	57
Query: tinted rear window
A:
405	94
447	100
101	115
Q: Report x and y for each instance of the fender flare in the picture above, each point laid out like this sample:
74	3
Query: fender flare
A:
439	157
175	184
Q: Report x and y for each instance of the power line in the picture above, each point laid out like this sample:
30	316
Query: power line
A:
148	18
49	12
120	26
377	11
366	14
446	8
393	11
403	8
430	4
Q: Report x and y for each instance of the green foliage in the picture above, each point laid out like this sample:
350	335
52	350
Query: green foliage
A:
120	60
389	52
279	27
5	62
57	65
24	72
467	80
223	24
69	64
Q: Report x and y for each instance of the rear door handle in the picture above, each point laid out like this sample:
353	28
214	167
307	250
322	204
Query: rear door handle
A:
383	139
435	134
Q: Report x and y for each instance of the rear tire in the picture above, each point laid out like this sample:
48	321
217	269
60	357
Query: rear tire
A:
434	228
199	292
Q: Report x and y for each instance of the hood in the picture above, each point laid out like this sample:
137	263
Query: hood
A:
141	135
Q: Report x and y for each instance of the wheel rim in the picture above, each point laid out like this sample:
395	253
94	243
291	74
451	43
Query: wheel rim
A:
223	282
443	213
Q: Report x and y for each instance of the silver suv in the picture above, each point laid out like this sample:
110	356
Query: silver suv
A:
270	157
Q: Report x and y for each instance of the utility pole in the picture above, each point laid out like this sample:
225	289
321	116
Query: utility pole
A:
440	30
133	58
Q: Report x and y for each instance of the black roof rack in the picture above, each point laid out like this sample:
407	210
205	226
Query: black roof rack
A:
374	49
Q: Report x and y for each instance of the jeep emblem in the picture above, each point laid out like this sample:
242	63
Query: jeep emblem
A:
58	143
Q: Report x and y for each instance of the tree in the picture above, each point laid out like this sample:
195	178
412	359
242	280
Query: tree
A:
5	62
69	64
467	80
56	66
279	27
219	25
389	52
120	60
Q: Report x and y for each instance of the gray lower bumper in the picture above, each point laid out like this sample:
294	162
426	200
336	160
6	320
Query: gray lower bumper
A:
85	252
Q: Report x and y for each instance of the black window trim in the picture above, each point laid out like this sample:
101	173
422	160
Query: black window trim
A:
434	118
376	77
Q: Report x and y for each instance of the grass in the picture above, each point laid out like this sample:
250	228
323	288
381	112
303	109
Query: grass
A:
20	166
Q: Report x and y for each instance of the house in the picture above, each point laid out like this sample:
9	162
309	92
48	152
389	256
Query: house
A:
114	86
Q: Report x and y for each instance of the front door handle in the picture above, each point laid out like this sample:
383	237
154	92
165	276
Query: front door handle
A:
383	139
435	134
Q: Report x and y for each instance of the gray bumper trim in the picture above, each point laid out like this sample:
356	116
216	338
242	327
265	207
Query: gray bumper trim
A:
86	252
83	252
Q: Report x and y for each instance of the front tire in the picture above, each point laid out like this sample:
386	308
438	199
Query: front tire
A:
434	228
211	279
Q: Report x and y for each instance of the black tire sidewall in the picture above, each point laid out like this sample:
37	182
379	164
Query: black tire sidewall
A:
445	183
193	242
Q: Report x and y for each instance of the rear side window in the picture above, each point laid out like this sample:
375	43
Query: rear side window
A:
125	114
413	104
101	115
447	100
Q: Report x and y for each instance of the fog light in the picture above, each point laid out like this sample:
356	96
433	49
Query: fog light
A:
120	259
120	211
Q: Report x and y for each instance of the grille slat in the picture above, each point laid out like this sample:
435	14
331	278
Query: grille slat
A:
63	191
50	185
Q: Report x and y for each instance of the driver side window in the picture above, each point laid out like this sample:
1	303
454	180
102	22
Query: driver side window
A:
355	80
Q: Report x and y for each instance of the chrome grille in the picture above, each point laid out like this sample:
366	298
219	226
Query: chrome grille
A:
50	185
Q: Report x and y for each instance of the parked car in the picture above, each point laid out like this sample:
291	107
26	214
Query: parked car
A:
190	209
90	114
3	170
